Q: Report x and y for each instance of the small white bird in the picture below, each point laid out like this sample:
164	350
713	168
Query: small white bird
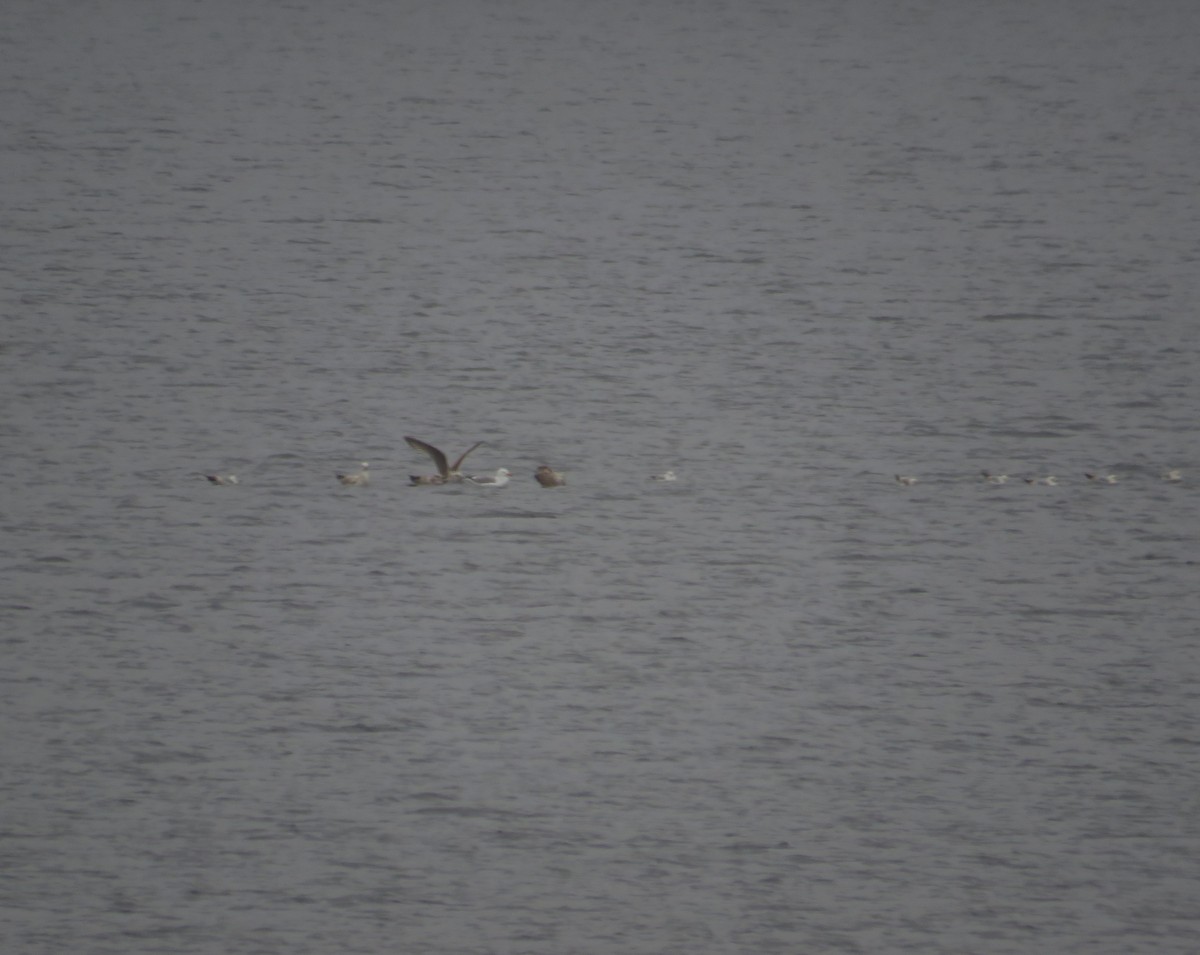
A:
1174	475
665	476
906	479
995	478
222	479
1100	478
357	478
499	479
1049	480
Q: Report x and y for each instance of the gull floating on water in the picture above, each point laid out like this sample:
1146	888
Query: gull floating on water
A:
547	477
499	479
1174	475
995	478
447	473
222	479
1050	480
1100	478
358	478
906	479
665	476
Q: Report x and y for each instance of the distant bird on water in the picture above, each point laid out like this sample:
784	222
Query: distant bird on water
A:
1100	478
995	478
1174	475
546	476
447	473
906	479
1049	480
665	476
222	479
357	478
499	479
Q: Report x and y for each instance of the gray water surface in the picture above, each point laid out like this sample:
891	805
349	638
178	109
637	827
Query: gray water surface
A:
783	704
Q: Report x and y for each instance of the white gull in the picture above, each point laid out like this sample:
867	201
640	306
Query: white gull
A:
356	478
499	479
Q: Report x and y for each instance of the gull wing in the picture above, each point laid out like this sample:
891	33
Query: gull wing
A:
462	457
438	458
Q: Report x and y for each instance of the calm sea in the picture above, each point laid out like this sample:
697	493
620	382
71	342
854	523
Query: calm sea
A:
784	704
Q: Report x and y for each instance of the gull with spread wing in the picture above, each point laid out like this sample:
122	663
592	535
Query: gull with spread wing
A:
447	473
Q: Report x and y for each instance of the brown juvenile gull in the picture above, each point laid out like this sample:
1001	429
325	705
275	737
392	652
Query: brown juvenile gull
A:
358	478
499	479
547	477
447	473
222	479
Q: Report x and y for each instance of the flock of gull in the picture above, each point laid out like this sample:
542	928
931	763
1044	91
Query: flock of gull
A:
451	473
1172	476
447	472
